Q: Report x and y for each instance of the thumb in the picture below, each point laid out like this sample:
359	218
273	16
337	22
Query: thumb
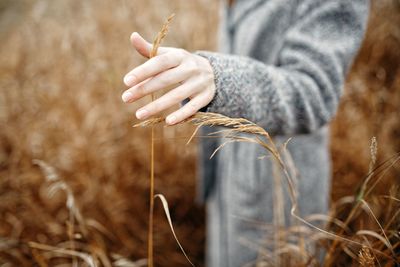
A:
142	46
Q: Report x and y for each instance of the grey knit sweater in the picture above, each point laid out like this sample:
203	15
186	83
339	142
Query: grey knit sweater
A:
282	65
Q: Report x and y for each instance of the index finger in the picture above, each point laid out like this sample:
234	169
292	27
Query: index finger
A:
152	67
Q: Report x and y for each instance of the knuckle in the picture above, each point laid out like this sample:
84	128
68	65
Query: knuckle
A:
160	104
141	90
181	52
191	66
170	99
180	115
135	74
176	99
153	107
210	93
165	61
192	107
164	79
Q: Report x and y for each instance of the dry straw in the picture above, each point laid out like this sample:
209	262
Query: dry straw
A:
365	257
243	130
156	44
370	108
233	131
92	255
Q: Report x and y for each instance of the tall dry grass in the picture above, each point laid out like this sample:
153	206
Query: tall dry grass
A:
370	106
61	65
302	243
61	69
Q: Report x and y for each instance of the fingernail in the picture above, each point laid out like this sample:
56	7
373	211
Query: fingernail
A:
171	119
133	34
127	96
142	114
129	80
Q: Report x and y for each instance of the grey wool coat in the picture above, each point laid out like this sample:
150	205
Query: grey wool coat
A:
282	65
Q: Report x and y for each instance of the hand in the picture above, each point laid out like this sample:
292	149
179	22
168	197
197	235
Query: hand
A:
191	75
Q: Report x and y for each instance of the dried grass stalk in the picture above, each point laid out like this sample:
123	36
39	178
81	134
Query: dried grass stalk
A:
233	131
168	215
161	35
156	44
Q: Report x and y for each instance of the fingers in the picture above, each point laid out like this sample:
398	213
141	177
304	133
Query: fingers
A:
143	47
153	67
188	109
170	67
171	98
158	82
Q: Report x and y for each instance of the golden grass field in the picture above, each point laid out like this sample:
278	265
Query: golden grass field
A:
61	69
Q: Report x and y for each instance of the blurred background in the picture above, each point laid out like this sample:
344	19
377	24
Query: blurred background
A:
63	126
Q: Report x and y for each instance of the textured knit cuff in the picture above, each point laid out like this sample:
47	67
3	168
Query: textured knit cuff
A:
217	102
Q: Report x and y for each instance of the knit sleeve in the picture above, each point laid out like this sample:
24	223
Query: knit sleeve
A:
301	92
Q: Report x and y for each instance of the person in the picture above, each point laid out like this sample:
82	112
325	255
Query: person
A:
282	65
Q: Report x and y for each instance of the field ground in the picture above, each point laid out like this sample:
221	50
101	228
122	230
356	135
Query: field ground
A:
61	69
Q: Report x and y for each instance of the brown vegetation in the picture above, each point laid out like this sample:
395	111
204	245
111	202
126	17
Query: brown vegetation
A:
66	138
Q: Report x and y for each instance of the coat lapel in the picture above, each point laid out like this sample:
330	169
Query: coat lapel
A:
241	8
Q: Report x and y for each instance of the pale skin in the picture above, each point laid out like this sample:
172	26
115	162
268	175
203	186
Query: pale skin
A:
191	76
